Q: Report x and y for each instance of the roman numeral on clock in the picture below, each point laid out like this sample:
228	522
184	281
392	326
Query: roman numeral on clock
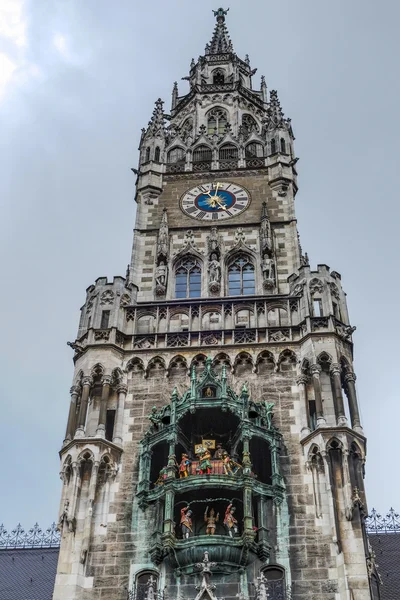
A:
191	210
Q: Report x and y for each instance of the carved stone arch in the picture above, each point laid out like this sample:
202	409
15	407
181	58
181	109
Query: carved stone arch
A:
199	361
243	363
334	444
240	247
345	365
135	366
325	360
145	321
220	360
79	377
86	455
177	366
97	371
179	310
287	360
265	362
244	306
316	286
202	152
156	367
217	118
186	252
356	450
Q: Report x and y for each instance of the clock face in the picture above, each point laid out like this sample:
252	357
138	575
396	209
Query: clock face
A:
215	201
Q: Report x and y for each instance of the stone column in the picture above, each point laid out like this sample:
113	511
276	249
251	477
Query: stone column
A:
86	385
71	425
304	410
101	427
337	394
315	373
350	380
122	390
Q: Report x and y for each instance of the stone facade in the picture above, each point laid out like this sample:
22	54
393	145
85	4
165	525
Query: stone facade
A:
220	331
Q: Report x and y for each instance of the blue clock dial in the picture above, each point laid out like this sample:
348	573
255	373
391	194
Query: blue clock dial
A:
215	201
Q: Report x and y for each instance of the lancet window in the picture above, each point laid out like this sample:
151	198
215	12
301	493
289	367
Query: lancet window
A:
188	279
157	154
218	77
283	146
241	276
216	121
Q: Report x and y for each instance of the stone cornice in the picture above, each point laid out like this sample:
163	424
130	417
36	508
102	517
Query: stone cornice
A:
88	441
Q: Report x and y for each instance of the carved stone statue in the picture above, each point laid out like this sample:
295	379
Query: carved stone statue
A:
214	269
186	522
230	521
161	276
268	413
155	418
211	521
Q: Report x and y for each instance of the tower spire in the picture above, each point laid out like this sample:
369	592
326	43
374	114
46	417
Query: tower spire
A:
221	42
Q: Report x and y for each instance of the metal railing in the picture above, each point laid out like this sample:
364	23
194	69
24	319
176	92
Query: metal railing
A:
33	538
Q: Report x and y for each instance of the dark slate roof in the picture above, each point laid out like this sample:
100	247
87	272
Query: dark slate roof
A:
28	574
387	549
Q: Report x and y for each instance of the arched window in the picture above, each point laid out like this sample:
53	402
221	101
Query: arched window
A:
254	150
202	154
228	152
216	121
274	581
241	277
188	279
146	585
218	77
273	146
176	155
147	154
283	146
157	154
249	124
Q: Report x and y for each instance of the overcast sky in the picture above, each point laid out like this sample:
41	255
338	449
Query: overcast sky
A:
78	80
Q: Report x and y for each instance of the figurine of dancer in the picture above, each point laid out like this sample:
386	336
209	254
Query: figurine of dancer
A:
230	522
186	522
184	466
211	521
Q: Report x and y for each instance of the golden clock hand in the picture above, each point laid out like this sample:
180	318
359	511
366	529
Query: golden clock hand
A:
223	206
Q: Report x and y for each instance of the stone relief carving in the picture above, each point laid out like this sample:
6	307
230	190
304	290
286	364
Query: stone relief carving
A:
316	286
107	297
161	271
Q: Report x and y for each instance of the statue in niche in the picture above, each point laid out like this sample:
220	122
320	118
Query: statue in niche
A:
214	242
230	521
161	277
268	270
184	466
155	418
211	520
214	271
219	453
162	247
230	466
204	467
186	522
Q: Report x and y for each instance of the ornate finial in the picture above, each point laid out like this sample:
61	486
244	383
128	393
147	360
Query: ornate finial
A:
220	14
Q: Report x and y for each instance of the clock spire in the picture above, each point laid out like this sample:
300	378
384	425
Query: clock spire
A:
221	42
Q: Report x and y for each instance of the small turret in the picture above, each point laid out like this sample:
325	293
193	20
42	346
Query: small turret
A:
174	95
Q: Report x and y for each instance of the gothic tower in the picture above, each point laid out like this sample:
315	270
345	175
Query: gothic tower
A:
210	450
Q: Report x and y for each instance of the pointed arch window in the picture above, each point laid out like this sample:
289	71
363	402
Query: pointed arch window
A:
188	278
254	150
228	152
283	146
176	155
146	585
241	276
157	153
147	154
274	581
218	77
202	154
273	146
216	121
